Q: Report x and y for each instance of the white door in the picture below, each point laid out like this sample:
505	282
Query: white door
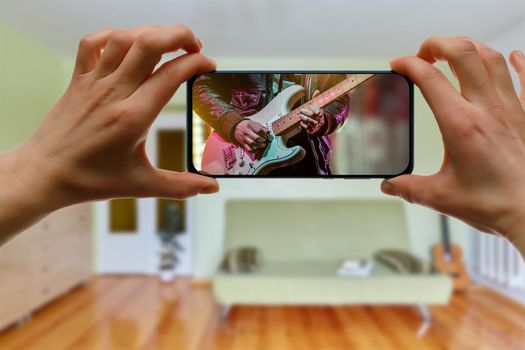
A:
123	247
126	230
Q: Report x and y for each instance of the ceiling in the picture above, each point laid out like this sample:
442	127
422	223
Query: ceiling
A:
361	28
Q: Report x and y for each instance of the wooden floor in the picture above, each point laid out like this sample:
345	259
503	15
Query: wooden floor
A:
141	313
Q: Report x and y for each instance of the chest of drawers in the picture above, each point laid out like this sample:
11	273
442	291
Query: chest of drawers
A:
45	261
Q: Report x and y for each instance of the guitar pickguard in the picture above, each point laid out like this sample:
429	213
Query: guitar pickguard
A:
224	158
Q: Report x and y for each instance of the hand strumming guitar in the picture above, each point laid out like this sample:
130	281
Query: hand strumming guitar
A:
251	135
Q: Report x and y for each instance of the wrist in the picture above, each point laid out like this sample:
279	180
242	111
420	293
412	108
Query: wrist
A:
30	182
515	232
236	126
510	223
18	209
229	123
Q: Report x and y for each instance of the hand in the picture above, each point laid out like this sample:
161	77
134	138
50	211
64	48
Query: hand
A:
483	129
251	135
92	143
312	119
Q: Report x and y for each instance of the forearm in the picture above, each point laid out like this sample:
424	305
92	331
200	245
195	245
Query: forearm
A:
210	99
214	110
336	114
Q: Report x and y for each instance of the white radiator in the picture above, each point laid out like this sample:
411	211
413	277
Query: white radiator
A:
496	263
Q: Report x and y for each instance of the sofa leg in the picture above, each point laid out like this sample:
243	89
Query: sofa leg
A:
427	319
225	312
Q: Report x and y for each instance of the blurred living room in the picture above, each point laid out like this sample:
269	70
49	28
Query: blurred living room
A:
264	263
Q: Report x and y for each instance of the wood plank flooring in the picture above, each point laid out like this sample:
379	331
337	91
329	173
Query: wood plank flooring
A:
137	312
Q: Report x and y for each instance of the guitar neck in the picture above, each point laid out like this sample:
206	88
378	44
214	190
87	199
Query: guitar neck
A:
290	120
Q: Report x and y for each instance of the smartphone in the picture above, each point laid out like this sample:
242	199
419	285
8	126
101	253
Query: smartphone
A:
300	124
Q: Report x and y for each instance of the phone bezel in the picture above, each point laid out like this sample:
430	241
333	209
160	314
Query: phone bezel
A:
189	125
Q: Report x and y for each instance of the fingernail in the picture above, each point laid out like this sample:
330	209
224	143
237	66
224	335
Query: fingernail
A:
209	189
520	54
199	41
387	188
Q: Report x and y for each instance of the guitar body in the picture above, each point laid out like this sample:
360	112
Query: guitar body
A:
224	158
451	263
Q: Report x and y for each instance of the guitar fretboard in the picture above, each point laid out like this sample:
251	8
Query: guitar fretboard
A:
290	120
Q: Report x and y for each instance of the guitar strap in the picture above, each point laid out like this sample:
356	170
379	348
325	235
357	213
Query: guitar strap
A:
310	85
268	81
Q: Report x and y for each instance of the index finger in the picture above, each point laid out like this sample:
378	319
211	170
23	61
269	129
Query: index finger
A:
465	61
149	47
156	91
437	90
259	129
89	50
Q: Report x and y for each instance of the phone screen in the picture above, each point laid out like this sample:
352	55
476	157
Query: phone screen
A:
300	124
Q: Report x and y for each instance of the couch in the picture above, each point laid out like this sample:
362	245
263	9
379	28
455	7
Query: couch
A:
302	243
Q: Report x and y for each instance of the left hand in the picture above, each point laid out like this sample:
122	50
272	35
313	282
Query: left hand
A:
92	144
312	119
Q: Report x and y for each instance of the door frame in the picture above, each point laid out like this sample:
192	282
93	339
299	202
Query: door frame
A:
142	247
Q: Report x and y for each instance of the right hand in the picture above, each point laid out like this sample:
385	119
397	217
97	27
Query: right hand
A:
483	128
251	135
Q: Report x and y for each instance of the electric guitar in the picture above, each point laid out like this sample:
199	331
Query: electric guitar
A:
448	258
224	158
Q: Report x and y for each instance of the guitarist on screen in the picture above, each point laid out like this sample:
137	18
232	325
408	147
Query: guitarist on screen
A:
225	100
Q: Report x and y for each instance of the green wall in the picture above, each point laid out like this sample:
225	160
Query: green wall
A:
31	81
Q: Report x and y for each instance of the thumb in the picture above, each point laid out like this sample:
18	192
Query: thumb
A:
517	59
316	93
412	188
175	185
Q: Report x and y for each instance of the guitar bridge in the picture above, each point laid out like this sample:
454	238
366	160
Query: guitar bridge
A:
229	157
